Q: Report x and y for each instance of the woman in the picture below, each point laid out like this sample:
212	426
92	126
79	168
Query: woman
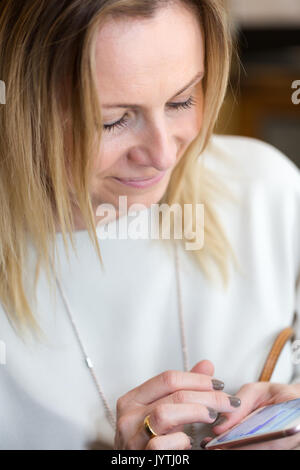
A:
100	97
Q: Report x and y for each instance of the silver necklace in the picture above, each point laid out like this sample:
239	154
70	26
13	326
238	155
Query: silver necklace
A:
109	413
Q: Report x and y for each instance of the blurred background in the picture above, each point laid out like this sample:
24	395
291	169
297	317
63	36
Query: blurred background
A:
259	99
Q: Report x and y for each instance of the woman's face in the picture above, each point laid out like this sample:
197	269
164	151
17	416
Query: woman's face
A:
142	64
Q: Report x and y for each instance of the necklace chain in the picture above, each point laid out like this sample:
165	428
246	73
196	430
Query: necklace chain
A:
109	413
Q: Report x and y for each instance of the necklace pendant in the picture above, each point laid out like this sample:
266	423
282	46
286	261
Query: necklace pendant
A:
89	363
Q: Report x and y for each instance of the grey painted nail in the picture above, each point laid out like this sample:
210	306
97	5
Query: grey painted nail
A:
204	442
213	414
221	419
235	401
217	384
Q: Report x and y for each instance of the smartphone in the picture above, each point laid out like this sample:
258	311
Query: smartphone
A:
264	424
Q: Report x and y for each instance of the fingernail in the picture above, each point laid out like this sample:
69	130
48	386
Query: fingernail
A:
213	414
221	419
235	401
203	443
217	384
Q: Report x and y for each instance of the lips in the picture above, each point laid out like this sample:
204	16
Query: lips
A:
141	182
138	179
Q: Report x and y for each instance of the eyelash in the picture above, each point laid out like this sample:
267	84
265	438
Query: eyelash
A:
177	106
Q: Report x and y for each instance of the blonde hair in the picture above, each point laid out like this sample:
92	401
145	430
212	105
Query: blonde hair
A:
47	63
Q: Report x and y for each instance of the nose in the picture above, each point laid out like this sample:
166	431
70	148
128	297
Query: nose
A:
157	146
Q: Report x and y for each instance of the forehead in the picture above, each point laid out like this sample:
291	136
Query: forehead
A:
161	53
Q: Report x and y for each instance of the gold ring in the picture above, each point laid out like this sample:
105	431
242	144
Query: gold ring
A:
148	428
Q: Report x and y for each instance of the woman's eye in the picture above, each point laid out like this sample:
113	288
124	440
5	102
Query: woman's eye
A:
124	120
186	105
116	125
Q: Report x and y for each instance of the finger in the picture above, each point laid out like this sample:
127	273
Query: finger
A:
204	367
165	417
177	409
126	428
251	395
175	441
129	424
217	400
205	441
169	418
131	432
168	382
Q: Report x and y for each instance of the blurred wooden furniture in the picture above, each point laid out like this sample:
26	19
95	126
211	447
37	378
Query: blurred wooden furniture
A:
259	101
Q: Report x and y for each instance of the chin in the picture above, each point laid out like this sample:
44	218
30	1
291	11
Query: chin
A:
147	199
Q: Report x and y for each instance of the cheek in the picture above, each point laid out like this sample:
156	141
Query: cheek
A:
191	122
198	111
190	126
107	157
197	122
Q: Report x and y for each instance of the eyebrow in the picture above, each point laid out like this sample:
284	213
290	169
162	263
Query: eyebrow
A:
198	77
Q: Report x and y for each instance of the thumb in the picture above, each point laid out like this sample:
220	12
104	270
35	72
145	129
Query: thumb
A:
204	367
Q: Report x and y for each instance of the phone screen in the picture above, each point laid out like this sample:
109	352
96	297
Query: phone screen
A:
269	419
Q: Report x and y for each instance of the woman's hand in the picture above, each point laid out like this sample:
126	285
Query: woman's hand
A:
172	399
253	396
